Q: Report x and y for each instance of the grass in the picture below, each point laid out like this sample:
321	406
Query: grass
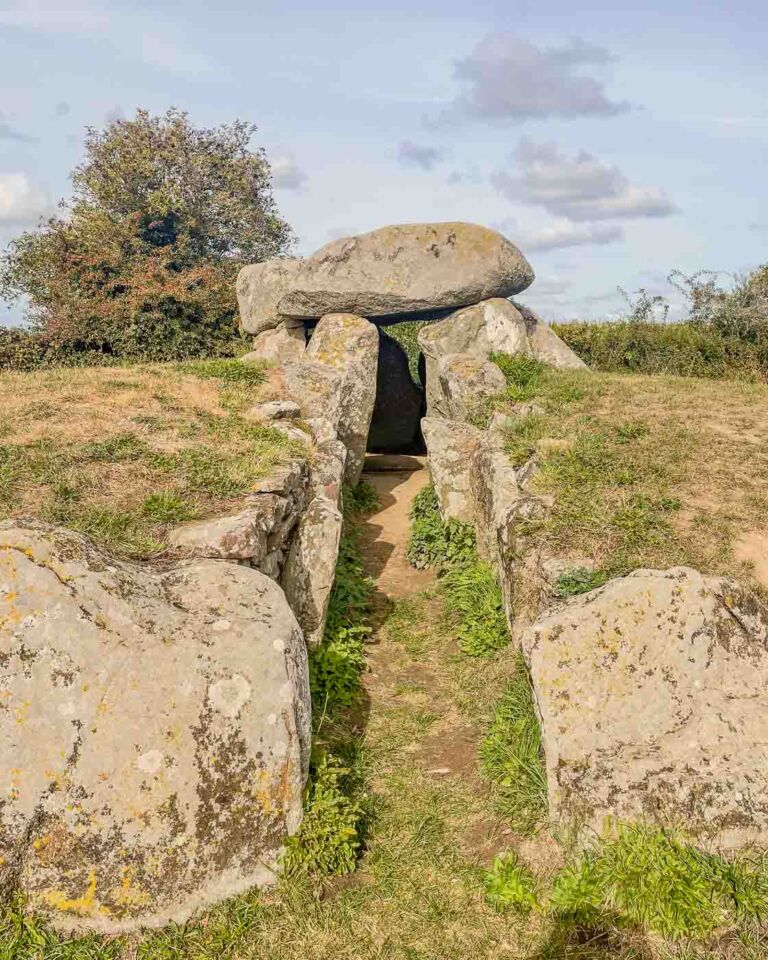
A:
512	755
406	334
646	471
124	453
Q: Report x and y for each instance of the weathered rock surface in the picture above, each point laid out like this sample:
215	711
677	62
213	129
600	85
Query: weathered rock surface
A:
451	445
310	567
154	730
464	382
285	342
400	404
258	534
407	268
653	702
350	345
260	287
495	490
476	332
545	345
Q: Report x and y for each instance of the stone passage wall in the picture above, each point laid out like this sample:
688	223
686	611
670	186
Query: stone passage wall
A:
155	723
651	689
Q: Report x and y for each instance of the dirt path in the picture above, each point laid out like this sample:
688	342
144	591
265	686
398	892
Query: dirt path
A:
384	537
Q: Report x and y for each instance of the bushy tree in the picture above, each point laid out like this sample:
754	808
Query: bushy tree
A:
142	260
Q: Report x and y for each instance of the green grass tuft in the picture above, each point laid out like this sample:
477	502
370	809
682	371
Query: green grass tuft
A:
577	581
512	755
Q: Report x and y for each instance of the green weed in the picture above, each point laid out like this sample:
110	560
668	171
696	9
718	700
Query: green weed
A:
652	880
328	840
512	755
523	374
579	580
474	606
510	885
434	542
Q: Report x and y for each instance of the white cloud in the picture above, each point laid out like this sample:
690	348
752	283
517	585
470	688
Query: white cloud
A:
576	187
21	201
418	155
563	233
508	78
286	173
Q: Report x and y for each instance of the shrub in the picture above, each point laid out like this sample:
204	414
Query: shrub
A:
142	263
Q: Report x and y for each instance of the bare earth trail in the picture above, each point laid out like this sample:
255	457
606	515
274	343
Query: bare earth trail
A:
404	668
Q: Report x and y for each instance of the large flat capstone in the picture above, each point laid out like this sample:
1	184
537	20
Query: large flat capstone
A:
407	268
154	731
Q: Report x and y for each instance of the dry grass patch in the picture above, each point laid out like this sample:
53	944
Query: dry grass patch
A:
124	453
649	471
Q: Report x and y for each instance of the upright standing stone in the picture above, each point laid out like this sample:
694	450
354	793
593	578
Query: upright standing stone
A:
350	345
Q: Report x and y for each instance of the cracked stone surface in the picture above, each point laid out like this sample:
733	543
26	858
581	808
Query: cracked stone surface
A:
154	729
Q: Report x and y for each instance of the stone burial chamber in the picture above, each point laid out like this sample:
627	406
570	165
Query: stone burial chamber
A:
423	272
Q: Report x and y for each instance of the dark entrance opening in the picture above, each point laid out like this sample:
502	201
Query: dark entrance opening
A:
400	403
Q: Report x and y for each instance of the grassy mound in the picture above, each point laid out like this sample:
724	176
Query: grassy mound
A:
125	453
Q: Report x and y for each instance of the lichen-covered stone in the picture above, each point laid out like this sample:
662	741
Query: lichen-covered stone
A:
653	704
545	345
477	332
350	345
285	342
259	288
154	731
495	490
464	382
407	268
451	445
310	567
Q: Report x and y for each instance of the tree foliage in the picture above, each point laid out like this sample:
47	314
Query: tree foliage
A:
141	261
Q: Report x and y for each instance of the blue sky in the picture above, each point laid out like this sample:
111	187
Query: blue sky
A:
612	145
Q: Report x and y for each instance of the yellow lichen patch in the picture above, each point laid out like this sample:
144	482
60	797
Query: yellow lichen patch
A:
84	905
129	893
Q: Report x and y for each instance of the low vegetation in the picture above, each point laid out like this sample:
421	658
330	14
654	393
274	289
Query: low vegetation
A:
123	454
468	584
724	334
646	880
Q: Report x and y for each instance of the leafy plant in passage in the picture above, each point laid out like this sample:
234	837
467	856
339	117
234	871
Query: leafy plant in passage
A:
652	880
474	605
510	885
645	879
434	542
512	754
328	840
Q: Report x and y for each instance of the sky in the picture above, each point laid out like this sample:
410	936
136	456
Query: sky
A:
611	145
